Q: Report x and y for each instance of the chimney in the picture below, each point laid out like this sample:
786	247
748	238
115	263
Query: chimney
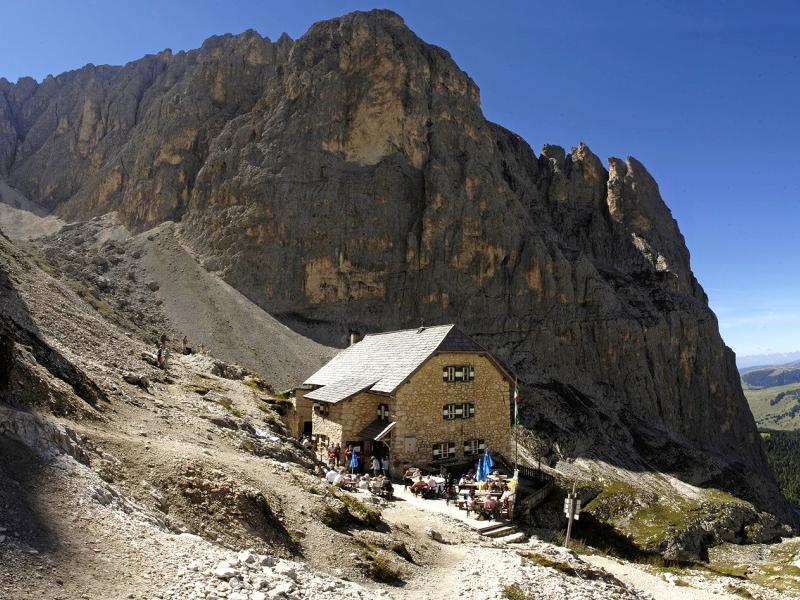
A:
355	337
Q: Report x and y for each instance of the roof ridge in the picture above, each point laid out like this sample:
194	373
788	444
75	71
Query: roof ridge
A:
424	327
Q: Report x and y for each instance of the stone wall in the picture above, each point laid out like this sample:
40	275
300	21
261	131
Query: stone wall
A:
300	413
418	410
346	419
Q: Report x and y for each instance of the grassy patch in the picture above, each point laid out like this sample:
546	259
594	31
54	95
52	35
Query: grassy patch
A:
738	590
367	515
647	518
344	510
514	592
378	567
400	549
228	405
560	566
270	418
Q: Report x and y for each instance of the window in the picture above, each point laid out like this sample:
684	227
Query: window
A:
460	410
458	373
409	444
473	447
444	450
383	412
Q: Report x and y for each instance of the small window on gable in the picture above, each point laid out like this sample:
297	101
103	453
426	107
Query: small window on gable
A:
473	447
444	450
383	412
458	374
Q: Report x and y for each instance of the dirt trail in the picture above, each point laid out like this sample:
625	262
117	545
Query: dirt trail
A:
651	584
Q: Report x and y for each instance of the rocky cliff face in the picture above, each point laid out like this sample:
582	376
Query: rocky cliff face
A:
348	179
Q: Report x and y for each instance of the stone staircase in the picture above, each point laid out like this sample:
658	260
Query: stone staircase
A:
502	531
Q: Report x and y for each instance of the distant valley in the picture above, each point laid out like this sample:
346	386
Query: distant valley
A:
773	393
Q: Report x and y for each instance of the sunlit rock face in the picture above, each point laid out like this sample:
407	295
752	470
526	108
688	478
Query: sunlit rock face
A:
348	180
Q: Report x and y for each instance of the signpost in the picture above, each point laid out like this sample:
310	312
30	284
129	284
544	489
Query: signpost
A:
572	509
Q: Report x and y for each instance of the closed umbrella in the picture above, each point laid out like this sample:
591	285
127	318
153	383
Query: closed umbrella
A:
481	472
488	462
353	461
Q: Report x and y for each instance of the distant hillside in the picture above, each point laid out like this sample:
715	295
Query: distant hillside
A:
773	393
783	451
775	407
771	376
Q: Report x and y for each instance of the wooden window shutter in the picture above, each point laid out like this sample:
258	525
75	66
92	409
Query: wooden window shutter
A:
451	449
437	451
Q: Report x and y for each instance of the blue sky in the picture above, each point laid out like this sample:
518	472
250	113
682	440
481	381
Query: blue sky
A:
705	94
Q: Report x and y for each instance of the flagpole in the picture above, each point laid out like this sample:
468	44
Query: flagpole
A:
516	429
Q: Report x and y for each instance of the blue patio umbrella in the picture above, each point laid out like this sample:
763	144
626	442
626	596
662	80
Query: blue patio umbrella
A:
488	462
353	461
481	473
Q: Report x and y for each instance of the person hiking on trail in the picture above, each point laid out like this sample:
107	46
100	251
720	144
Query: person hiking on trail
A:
161	356
385	465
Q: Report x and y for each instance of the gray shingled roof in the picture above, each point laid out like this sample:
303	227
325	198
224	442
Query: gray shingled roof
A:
376	430
344	388
382	361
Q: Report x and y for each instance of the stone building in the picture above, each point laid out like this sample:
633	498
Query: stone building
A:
426	397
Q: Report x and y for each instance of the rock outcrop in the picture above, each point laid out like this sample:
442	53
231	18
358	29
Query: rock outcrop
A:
349	180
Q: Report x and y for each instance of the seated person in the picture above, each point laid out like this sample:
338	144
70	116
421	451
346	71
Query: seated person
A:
363	483
386	486
409	475
470	500
432	483
490	505
419	486
331	475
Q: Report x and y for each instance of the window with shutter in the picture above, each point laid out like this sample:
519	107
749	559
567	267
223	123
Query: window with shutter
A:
383	412
473	447
458	373
443	450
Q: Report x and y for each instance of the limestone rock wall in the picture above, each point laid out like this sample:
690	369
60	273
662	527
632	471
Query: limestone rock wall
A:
348	179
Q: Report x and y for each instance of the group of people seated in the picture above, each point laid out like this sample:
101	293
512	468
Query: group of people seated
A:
489	505
380	485
427	486
337	476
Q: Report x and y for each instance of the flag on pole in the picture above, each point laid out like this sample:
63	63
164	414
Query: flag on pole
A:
516	398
